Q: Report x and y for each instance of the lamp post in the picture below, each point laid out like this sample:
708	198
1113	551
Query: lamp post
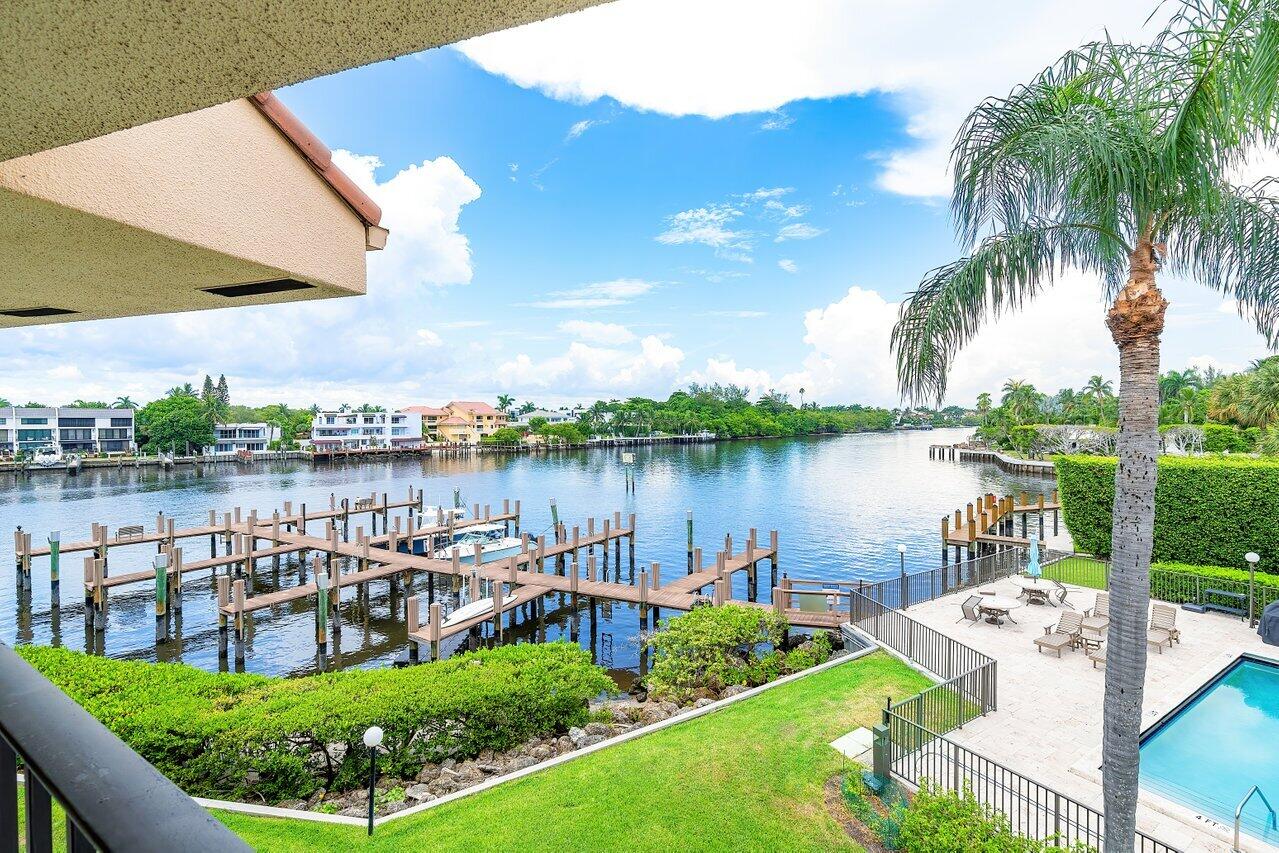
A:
901	552
903	597
372	739
1253	558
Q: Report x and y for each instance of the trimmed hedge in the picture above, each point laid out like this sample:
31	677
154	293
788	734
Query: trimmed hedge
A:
1208	510
238	735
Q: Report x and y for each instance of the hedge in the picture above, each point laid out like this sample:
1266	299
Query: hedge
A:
240	736
1208	510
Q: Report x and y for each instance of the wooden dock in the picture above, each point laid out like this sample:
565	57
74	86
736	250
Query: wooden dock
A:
991	522
408	545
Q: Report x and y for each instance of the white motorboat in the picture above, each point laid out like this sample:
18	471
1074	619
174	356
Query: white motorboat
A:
492	539
47	456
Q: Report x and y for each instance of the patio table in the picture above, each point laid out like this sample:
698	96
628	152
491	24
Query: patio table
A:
997	608
1036	590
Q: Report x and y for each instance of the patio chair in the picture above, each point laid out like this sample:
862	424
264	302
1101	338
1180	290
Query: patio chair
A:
1061	593
1097	656
971	613
1098	618
1063	636
1162	627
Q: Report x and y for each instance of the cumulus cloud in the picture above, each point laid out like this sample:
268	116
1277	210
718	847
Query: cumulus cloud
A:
726	372
708	226
429	338
597	333
741	56
787	265
586	371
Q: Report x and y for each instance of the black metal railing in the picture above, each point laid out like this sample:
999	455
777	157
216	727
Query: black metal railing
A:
905	590
113	799
1033	809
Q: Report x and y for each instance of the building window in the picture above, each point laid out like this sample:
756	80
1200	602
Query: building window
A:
28	435
122	422
75	435
33	420
105	433
75	422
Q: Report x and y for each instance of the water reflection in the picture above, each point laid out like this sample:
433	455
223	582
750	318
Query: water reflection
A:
841	505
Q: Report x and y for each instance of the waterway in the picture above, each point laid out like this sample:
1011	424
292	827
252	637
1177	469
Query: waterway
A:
842	506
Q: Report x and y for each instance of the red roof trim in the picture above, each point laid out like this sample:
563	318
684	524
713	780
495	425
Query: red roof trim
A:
318	154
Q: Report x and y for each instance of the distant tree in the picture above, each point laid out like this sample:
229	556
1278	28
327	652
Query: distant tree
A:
124	402
504	402
801	398
184	390
368	408
527	407
223	391
89	404
34	406
177	422
538	424
208	392
4	403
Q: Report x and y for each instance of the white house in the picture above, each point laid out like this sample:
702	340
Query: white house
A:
232	438
557	417
68	429
347	430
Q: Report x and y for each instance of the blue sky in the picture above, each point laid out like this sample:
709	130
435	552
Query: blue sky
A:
640	196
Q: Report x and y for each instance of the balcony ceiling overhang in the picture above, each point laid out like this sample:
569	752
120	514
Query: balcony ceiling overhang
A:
78	69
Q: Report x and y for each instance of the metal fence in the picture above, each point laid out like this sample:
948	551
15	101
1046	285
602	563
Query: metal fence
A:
1239	596
907	589
1033	809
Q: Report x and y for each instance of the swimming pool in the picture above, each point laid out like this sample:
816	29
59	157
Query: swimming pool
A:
1218	745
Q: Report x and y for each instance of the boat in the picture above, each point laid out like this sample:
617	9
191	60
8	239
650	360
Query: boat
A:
433	513
492	539
47	456
468	611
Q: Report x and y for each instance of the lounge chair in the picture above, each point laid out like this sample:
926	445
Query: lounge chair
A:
1162	628
1098	618
1064	636
971	613
1097	656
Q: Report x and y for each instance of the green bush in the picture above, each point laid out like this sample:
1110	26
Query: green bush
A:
1023	439
713	647
1223	438
940	821
208	731
1208	510
505	435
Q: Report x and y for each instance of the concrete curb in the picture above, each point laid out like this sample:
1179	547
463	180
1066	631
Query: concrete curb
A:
492	782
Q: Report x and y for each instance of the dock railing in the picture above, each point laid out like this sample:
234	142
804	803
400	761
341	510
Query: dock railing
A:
114	800
915	588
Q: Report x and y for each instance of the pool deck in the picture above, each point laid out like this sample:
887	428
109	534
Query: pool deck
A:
1049	724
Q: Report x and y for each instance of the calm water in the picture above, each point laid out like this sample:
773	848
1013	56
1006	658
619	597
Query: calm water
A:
1207	756
842	505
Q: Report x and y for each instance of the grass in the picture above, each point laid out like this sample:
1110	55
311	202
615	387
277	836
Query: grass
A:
748	777
59	823
1078	571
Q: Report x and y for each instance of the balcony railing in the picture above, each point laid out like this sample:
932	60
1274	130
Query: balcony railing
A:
113	799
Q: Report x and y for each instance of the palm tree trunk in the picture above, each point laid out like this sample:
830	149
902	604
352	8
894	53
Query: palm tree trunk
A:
1135	320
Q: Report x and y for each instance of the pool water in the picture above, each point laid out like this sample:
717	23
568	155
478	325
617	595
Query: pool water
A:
1211	752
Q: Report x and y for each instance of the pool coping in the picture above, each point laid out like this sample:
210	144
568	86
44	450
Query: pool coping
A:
494	781
1089	767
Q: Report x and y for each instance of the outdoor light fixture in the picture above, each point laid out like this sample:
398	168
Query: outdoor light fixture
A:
1253	558
372	739
901	551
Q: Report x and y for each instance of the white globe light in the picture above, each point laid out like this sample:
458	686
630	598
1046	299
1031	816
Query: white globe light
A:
373	737
1252	557
901	549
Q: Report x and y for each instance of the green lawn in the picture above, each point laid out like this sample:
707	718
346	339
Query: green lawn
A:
747	777
1078	571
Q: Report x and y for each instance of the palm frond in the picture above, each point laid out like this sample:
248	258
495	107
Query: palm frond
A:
1006	271
1231	244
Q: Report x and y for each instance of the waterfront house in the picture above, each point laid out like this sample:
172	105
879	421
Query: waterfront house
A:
232	438
431	418
70	430
337	430
556	417
460	421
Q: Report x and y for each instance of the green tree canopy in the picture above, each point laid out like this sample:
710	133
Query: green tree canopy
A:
176	423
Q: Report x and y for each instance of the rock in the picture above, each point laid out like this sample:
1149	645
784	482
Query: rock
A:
486	756
429	773
576	735
417	792
839	653
541	753
489	767
291	804
654	715
355	811
590	740
392	808
670	708
521	762
598	729
564	744
703	702
702	693
733	690
448	764
468	772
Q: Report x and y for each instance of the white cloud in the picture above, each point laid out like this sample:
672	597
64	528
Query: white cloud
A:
777	121
740	315
420	205
765	193
709	227
787	265
580	127
739	56
798	231
589	371
429	338
609	334
785	211
603	294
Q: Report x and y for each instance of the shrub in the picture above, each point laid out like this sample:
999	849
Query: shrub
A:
1208	510
1224	438
940	821
207	731
713	647
505	435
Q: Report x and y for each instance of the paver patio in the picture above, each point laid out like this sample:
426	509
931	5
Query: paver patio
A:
1048	725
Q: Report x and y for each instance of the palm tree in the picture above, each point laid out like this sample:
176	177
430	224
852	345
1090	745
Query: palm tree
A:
1115	161
1020	399
504	402
184	390
1259	404
801	398
124	402
1171	383
1185	400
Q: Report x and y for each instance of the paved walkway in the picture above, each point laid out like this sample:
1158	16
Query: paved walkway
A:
1049	724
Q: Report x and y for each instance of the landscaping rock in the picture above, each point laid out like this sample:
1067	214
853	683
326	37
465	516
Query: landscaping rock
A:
355	811
489	767
448	764
598	729
733	690
591	740
564	744
576	735
418	792
522	762
703	702
541	753
670	708
429	773
292	804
